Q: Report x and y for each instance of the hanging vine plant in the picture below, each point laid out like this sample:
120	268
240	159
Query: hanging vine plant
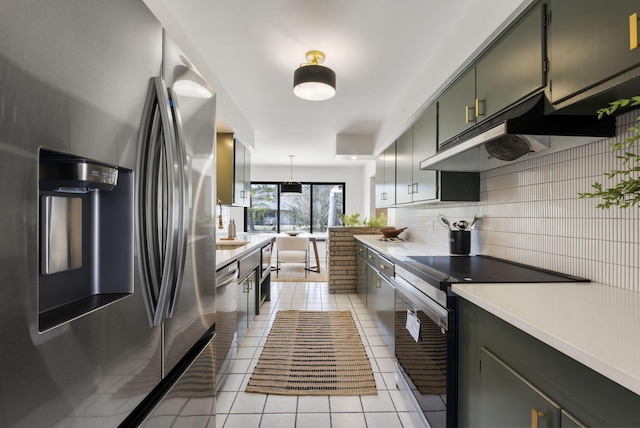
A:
626	192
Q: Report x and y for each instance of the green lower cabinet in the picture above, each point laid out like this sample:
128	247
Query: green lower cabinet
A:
509	400
372	291
385	310
361	272
509	378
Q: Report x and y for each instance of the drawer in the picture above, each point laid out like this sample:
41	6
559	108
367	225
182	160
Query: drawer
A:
371	257
248	263
385	266
361	250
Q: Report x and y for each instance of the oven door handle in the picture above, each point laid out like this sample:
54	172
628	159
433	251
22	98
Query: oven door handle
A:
437	313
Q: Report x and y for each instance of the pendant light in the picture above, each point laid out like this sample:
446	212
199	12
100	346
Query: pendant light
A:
291	186
312	81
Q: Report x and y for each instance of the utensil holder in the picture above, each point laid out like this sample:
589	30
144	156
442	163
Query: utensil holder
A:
459	242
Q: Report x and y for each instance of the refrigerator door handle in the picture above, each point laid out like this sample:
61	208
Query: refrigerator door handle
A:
157	210
182	201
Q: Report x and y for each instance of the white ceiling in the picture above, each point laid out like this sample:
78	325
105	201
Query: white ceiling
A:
390	56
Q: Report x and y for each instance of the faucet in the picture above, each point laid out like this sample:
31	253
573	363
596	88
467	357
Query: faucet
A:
220	225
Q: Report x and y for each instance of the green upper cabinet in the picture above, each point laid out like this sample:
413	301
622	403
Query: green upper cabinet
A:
413	184
593	46
404	170
456	106
511	69
416	144
386	177
380	180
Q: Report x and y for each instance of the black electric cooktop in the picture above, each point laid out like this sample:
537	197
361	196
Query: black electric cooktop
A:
445	270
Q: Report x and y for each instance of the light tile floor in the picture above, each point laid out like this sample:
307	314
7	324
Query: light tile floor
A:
238	409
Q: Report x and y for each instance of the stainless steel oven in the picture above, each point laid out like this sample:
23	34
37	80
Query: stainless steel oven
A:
425	351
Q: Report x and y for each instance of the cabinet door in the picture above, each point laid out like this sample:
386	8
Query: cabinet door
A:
240	173
390	175
253	297
361	279
404	167
243	294
380	196
456	106
509	400
513	67
589	43
385	311
425	144
372	291
247	178
224	168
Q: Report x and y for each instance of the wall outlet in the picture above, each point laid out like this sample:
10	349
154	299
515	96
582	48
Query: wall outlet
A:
430	226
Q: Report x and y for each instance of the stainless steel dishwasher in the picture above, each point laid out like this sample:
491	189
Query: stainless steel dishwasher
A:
226	319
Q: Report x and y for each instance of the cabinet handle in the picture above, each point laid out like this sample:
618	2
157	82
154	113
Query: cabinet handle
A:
478	101
468	118
382	267
414	188
633	31
409	189
378	283
534	417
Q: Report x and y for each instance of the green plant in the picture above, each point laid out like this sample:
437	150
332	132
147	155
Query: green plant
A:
626	192
351	219
354	220
376	222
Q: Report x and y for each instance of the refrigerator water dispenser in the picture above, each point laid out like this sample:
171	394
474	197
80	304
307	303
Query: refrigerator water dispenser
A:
86	237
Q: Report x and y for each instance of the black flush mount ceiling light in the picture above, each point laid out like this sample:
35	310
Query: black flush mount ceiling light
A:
312	81
291	186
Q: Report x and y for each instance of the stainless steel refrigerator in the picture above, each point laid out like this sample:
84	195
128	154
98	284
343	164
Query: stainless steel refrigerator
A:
107	262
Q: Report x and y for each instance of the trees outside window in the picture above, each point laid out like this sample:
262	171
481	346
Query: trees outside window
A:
319	206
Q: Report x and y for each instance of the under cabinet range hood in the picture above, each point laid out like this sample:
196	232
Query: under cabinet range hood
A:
517	134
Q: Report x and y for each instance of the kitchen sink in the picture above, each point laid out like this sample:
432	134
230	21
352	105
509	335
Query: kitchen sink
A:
230	245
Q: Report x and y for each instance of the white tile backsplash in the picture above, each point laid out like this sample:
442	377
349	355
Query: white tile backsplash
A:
530	213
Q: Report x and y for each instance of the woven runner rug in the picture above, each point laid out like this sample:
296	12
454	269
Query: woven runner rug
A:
313	353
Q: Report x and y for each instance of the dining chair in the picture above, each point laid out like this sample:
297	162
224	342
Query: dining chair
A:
292	249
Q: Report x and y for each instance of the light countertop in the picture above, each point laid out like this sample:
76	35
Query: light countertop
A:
596	324
226	256
401	248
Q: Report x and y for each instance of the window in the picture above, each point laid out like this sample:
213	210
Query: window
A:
319	206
